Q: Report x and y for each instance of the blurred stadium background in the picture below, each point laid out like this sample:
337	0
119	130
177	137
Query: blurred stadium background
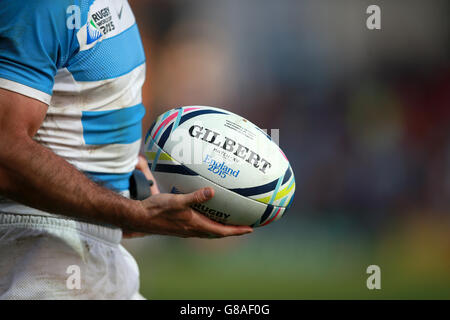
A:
364	118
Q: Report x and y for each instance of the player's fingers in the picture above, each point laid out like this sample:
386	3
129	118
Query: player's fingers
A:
214	229
131	234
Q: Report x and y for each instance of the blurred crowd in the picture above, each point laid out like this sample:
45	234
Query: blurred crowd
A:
364	116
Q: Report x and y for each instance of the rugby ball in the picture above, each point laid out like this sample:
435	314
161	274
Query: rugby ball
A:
188	148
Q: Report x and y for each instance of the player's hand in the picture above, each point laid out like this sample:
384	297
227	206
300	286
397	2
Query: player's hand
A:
171	214
142	165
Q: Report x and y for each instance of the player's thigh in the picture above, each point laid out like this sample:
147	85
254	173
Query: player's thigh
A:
35	264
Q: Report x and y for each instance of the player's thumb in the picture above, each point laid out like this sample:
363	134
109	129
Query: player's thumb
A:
198	196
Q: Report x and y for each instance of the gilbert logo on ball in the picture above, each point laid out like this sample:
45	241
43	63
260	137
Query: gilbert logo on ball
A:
193	147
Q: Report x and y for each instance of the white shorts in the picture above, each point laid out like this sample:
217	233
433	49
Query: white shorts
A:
43	257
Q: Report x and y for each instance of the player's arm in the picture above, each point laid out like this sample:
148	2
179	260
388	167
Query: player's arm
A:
33	175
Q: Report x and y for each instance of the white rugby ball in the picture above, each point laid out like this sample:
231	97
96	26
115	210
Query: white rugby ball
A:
188	148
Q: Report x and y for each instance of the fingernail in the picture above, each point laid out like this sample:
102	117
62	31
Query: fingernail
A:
207	193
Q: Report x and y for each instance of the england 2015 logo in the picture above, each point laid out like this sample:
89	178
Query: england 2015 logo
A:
220	168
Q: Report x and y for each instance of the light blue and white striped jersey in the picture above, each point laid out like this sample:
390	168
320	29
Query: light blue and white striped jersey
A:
85	59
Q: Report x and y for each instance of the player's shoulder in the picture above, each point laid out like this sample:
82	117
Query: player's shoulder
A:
36	12
38	6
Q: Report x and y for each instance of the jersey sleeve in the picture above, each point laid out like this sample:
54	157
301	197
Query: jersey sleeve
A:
34	43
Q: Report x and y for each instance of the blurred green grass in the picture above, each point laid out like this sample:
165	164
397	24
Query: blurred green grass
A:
296	260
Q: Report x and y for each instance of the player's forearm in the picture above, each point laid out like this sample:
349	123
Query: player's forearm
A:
35	176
